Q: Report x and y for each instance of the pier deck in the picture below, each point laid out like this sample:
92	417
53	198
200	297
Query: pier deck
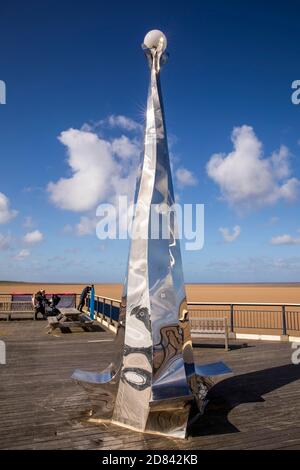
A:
42	408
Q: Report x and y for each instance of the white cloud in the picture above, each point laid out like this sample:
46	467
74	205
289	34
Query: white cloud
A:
92	166
33	237
230	236
246	178
280	163
123	122
126	148
114	121
22	255
285	240
86	226
96	174
257	269
6	213
5	241
101	170
90	127
185	178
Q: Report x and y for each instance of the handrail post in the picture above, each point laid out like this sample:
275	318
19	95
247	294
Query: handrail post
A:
87	302
103	308
231	318
92	304
284	321
97	309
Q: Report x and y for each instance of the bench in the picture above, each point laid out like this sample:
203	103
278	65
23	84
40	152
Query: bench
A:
52	323
210	328
10	310
68	318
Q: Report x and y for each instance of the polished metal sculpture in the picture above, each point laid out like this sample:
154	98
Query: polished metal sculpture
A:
153	382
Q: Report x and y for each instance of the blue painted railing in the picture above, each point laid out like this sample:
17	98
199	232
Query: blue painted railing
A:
106	307
268	318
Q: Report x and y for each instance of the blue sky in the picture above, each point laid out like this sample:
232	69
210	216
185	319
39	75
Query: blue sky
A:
73	68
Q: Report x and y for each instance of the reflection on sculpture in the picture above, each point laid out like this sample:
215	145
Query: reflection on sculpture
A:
151	385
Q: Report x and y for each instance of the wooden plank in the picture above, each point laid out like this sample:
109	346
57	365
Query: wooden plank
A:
42	408
69	311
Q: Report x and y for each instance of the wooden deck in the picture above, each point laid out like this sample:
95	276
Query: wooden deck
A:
41	408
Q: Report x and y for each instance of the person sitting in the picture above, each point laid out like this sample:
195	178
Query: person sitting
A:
55	300
39	303
53	310
83	297
46	301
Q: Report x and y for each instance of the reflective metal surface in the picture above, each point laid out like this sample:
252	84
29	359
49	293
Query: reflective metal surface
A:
157	377
157	338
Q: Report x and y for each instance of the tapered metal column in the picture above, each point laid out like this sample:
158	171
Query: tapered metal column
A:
158	368
152	381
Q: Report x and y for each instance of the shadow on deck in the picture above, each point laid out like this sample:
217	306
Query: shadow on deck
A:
42	408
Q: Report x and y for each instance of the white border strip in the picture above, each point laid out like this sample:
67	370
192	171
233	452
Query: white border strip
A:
292	339
258	337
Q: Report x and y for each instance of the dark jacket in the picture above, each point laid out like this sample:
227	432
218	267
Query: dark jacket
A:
41	302
84	293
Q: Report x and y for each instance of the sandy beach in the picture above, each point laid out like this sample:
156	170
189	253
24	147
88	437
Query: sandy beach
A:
282	293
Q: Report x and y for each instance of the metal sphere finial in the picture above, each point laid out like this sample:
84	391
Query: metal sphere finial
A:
155	39
155	44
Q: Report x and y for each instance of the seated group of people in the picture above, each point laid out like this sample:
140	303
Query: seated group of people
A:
43	305
47	307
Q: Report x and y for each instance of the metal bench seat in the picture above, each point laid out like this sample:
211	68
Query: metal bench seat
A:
210	328
94	377
214	370
10	310
101	388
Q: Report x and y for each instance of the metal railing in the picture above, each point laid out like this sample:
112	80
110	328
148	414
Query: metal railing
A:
106	308
268	318
70	298
280	318
15	306
11	309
